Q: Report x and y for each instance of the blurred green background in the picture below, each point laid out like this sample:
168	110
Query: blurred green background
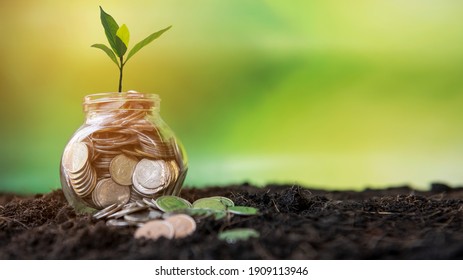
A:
326	93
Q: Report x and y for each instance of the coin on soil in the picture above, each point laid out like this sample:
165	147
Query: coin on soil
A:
143	216
126	211
225	200
154	230
209	203
243	210
169	203
107	211
184	225
121	223
121	169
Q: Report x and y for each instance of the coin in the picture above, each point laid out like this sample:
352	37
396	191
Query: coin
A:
150	202
108	192
142	191
209	203
107	211
140	203
150	174
198	212
180	179
219	215
243	210
169	203
121	169
126	211
130	205
84	186
143	216
184	225
118	223
154	230
225	201
75	157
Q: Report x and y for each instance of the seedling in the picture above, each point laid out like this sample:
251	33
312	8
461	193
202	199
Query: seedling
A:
118	38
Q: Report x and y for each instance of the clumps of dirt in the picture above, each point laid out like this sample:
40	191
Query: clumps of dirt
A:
25	213
295	223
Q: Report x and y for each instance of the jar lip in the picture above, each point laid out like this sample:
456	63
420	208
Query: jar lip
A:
130	95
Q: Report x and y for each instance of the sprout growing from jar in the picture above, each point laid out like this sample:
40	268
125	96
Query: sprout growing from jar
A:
118	38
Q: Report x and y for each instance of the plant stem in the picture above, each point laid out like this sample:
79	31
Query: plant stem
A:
121	68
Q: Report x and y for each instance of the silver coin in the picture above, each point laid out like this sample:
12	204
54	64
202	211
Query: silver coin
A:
107	211
117	223
150	202
150	174
140	203
126	211
142	190
130	205
144	216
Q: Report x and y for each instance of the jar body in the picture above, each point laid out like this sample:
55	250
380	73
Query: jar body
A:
124	152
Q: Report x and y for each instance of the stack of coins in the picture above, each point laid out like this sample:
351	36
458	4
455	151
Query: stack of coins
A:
81	174
121	156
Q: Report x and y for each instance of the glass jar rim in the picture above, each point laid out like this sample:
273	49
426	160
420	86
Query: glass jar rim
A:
118	96
106	101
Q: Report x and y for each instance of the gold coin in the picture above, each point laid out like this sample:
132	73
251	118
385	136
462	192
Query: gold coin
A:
108	192
183	225
121	169
85	187
154	230
130	152
75	157
174	172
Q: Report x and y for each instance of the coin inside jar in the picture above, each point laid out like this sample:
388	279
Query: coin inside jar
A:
121	169
149	175
76	157
108	192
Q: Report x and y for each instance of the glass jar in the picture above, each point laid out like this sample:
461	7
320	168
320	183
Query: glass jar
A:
124	152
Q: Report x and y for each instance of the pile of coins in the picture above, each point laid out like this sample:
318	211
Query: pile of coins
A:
121	156
169	216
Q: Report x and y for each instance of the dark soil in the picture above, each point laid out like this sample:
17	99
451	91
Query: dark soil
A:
296	223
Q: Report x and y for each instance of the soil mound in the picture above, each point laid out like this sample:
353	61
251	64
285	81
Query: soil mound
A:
295	223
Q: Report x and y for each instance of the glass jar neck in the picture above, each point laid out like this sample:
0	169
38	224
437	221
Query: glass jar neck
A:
113	102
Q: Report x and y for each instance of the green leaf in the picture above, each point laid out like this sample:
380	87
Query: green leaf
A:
123	34
146	41
110	27
108	51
